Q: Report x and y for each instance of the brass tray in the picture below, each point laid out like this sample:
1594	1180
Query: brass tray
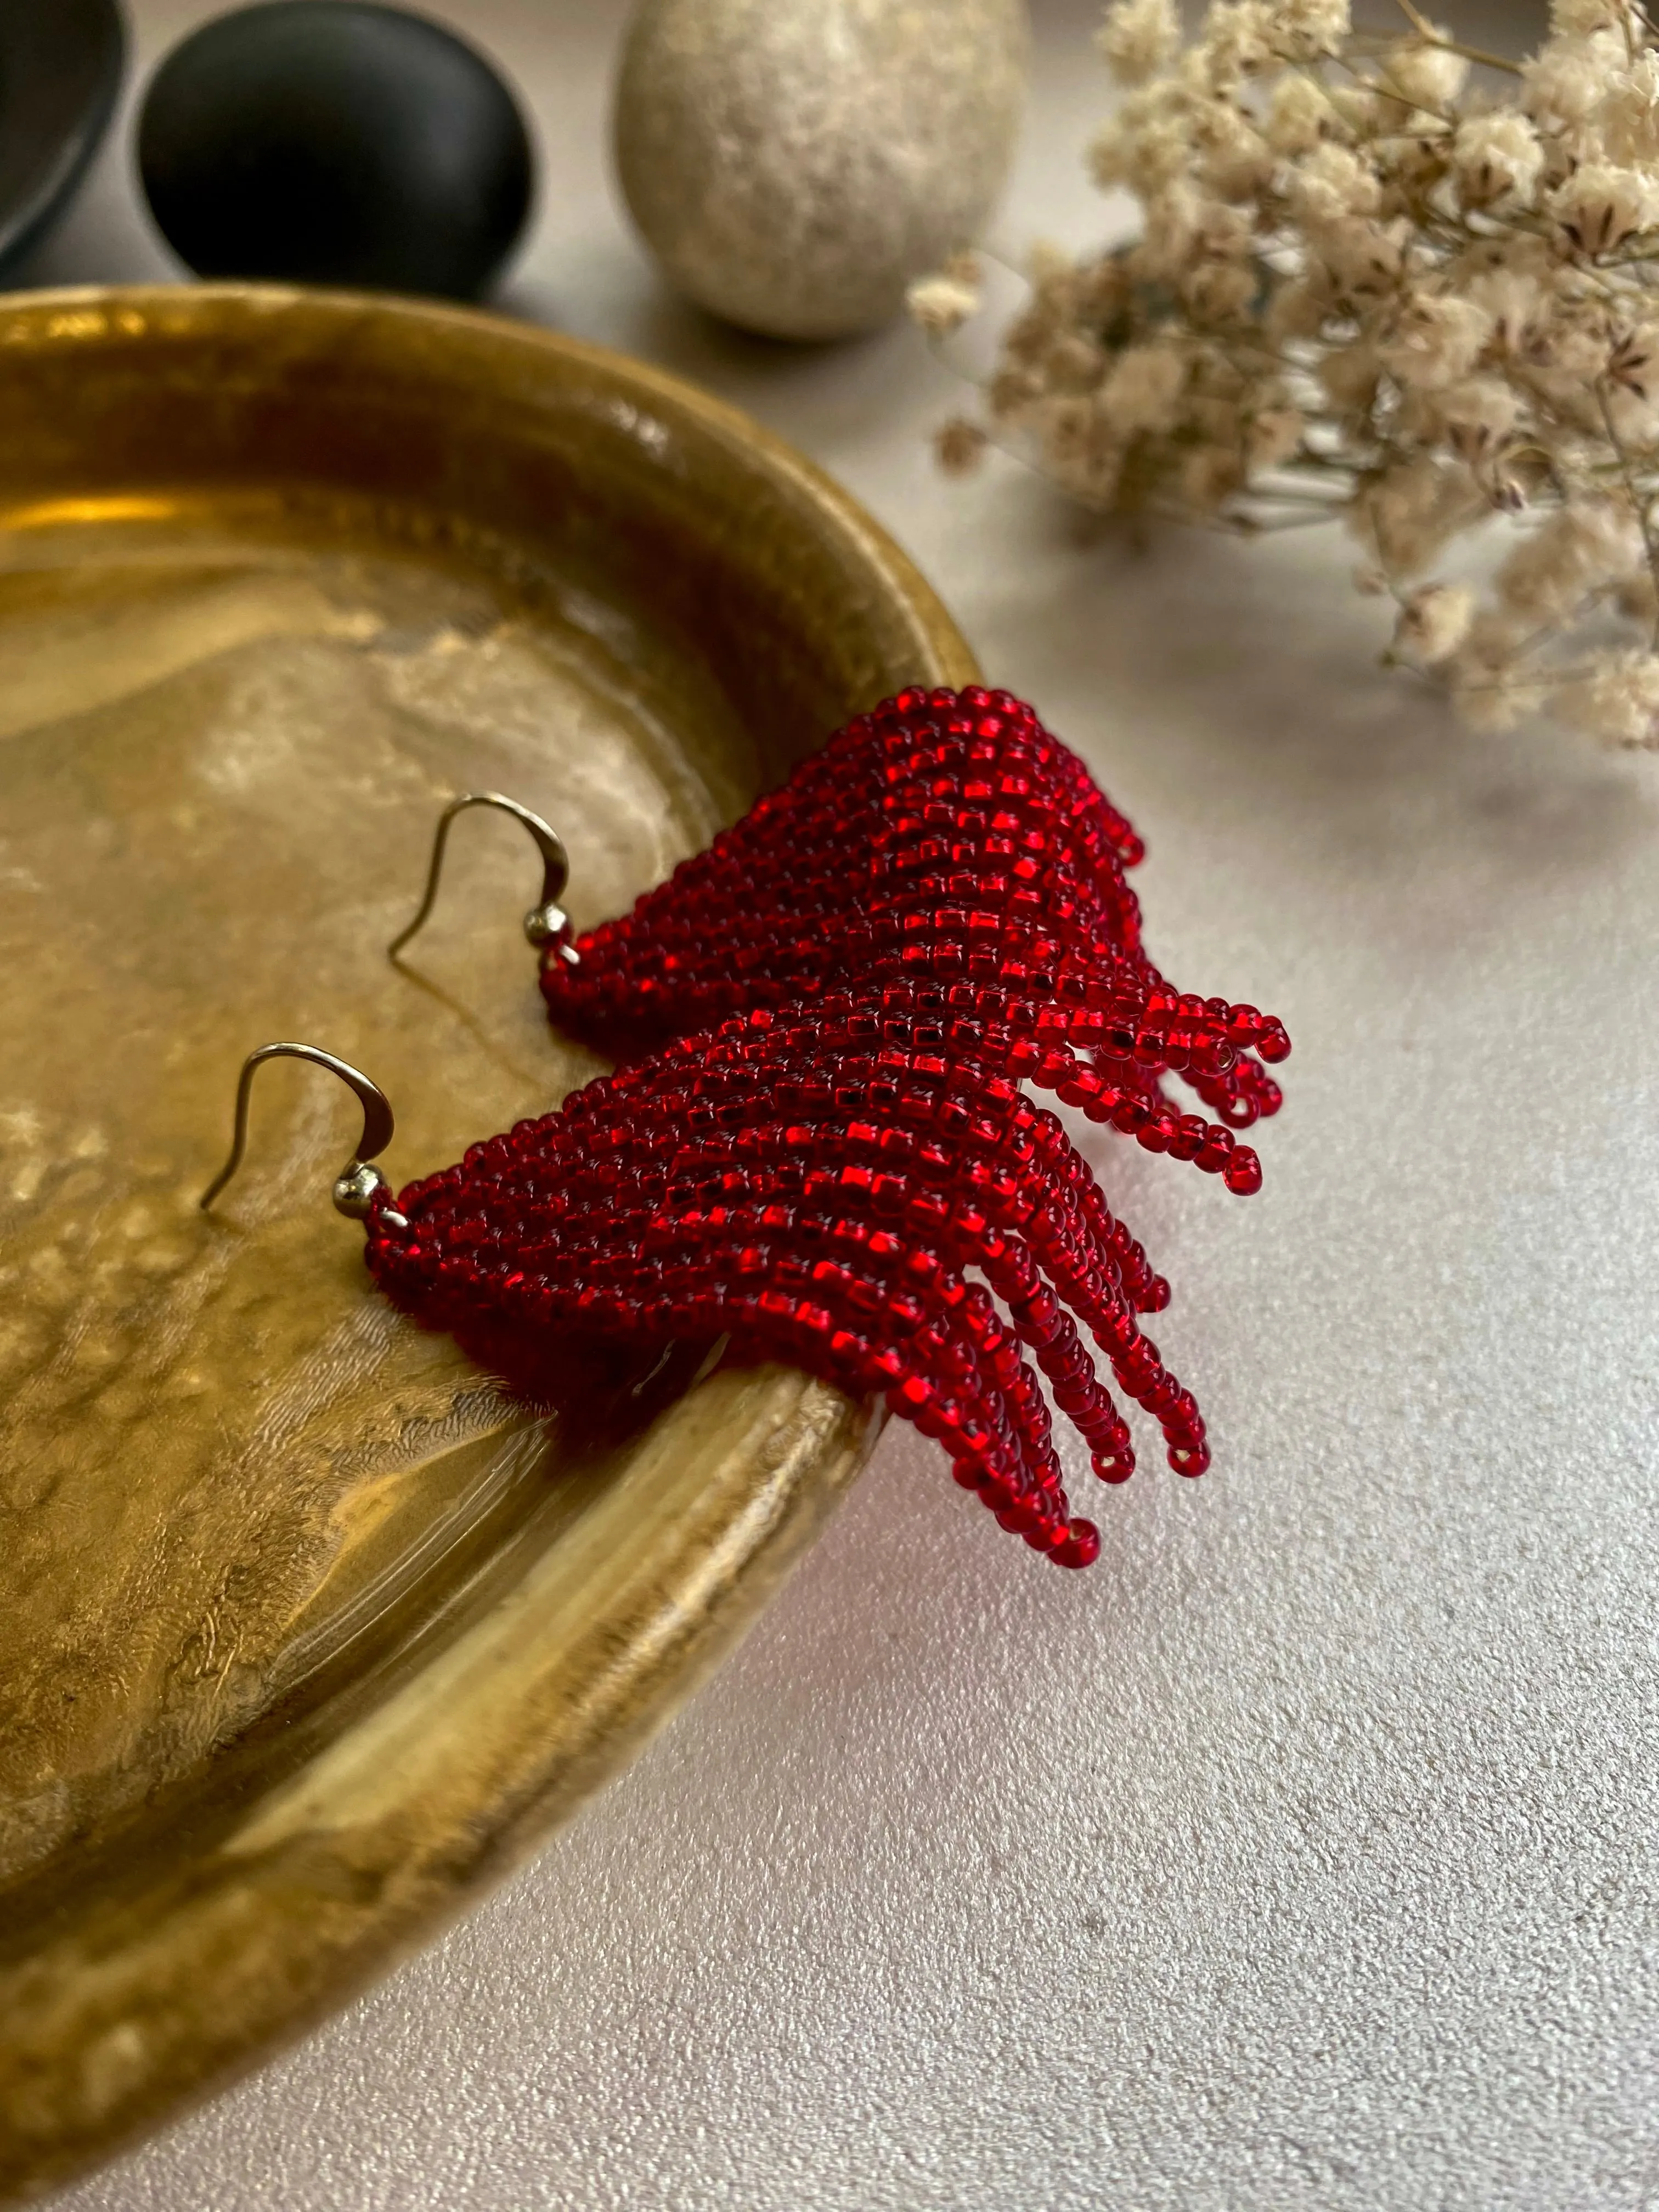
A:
307	1634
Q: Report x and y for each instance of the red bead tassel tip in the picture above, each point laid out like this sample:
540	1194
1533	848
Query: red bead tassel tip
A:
859	1186
947	838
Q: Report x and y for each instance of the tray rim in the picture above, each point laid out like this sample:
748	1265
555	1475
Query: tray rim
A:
88	2072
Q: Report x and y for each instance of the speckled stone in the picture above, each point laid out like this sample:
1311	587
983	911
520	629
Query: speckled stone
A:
794	167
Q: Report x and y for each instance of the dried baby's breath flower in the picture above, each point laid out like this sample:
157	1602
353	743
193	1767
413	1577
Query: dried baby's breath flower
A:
942	304
1308	29
1382	278
1579	19
1519	305
1477	418
1426	73
1299	114
1332	184
1143	392
959	444
1410	513
1602	207
1237	41
1498	158
1434	620
1568	559
1139	38
1436	338
1619	700
1567	80
1627	119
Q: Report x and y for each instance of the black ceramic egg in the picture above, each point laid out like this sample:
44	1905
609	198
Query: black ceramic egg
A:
335	142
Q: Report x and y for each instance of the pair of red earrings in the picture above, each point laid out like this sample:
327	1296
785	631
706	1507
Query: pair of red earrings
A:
820	1143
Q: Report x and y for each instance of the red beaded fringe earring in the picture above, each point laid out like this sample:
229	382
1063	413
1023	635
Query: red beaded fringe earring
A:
949	838
818	1202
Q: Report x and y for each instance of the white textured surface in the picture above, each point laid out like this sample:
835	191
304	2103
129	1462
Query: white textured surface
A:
1302	1854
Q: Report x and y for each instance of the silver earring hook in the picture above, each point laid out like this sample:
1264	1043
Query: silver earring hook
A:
544	922
357	1183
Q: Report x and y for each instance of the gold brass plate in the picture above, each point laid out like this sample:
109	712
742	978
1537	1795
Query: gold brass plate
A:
307	1634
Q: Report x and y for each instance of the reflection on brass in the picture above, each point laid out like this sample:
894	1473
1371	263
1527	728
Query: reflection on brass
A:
306	1633
546	918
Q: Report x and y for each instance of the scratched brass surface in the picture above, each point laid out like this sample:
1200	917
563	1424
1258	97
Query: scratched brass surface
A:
305	1632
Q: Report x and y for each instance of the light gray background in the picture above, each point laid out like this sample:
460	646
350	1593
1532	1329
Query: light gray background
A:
1302	1854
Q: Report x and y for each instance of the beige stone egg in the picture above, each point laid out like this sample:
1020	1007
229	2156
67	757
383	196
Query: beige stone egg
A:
793	163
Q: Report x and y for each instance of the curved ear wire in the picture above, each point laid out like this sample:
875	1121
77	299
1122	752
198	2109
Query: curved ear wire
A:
357	1183
544	922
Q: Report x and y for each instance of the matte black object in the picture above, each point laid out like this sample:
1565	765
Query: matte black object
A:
332	142
60	70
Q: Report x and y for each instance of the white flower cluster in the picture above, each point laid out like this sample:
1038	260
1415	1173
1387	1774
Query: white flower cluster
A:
1385	278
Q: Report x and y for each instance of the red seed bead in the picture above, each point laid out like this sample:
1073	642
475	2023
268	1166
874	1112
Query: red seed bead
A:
1243	1173
1274	1045
1081	1547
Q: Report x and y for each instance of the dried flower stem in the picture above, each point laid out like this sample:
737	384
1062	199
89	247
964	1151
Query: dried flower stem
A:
1427	32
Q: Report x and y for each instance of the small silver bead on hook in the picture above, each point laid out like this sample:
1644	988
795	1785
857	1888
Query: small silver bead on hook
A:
358	1183
543	923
